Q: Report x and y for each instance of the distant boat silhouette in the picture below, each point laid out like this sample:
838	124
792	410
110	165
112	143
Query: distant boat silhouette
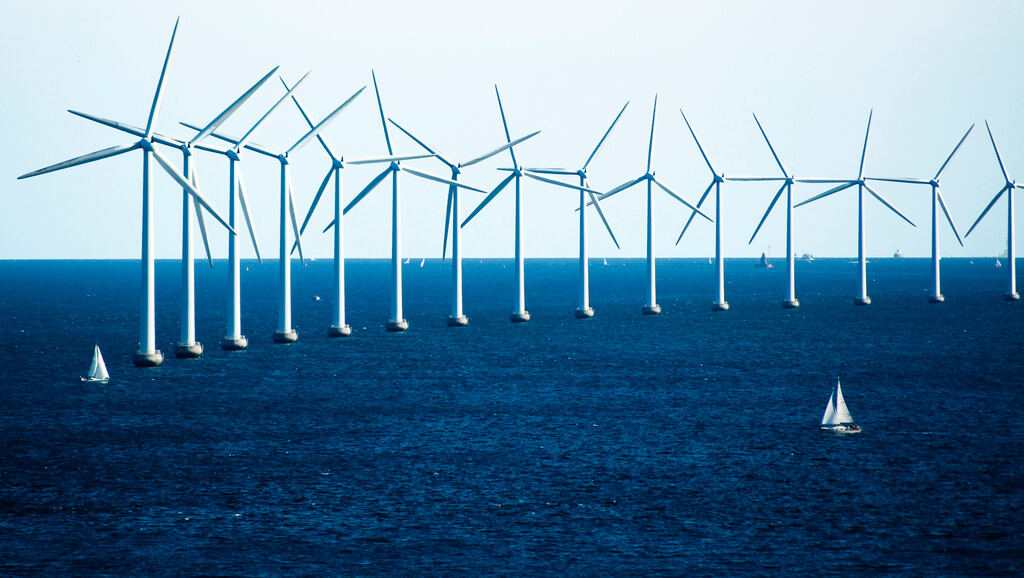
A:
98	369
763	263
998	263
837	418
423	261
406	261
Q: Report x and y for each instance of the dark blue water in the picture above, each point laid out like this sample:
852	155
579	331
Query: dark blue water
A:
685	443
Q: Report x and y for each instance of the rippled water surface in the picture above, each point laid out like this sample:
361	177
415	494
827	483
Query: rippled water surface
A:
685	443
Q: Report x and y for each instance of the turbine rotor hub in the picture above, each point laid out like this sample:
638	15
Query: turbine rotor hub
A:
233	155
146	144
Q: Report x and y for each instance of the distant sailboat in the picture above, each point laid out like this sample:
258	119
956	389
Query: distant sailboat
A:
837	418
606	261
998	263
98	369
406	262
424	260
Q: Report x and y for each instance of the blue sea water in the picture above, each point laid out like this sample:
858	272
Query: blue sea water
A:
680	444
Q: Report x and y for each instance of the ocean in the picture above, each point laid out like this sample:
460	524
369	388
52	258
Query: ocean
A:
686	443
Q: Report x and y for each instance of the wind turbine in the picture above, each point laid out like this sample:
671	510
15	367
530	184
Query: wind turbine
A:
519	314
147	355
584	310
457	318
863	298
1011	289
284	332
234	340
396	323
791	301
936	296
187	347
716	183
651	306
338	326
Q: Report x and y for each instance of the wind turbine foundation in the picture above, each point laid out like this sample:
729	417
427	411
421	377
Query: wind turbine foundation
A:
148	359
584	313
339	331
188	350
460	321
290	336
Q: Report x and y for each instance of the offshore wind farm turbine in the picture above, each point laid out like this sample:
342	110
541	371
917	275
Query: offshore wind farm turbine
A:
338	326
147	355
234	340
1011	288
187	347
284	332
936	296
862	298
457	318
519	315
651	306
584	310
397	323
720	304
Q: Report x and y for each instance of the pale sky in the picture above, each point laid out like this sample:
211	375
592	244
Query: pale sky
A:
811	71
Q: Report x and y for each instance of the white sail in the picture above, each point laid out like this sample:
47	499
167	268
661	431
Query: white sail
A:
836	412
423	261
97	369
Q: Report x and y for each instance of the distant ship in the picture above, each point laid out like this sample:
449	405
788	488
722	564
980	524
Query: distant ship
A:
807	257
897	254
763	263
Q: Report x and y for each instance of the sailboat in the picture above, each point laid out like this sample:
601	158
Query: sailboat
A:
423	261
837	418
98	369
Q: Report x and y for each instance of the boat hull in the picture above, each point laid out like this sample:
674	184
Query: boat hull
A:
841	429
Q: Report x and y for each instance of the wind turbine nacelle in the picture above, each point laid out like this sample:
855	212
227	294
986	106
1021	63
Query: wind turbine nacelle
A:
146	145
283	158
233	155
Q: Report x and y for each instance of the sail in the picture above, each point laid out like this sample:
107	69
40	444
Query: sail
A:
842	413
98	369
830	412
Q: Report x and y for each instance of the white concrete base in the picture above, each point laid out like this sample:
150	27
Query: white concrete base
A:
651	309
239	343
723	306
791	304
343	331
1012	297
188	350
460	321
151	359
862	301
290	336
397	326
936	298
584	313
521	317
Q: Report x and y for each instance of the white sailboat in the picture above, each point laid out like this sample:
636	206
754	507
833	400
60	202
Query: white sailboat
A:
424	260
98	369
837	418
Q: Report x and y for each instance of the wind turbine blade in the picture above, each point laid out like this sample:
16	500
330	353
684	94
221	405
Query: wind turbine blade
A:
434	177
650	146
499	149
180	178
386	159
87	158
132	130
248	221
943	167
319	137
826	193
508	137
269	113
158	97
383	117
998	158
215	123
593	155
768	212
504	183
422	143
701	149
875	194
541	171
323	124
770	147
560	184
597	204
622	187
316	199
447	221
194	177
824	181
295	222
942	204
746	178
692	215
985	212
680	199
910	181
366	190
328	227
860	172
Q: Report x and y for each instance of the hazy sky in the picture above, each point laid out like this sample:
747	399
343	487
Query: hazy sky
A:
810	70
